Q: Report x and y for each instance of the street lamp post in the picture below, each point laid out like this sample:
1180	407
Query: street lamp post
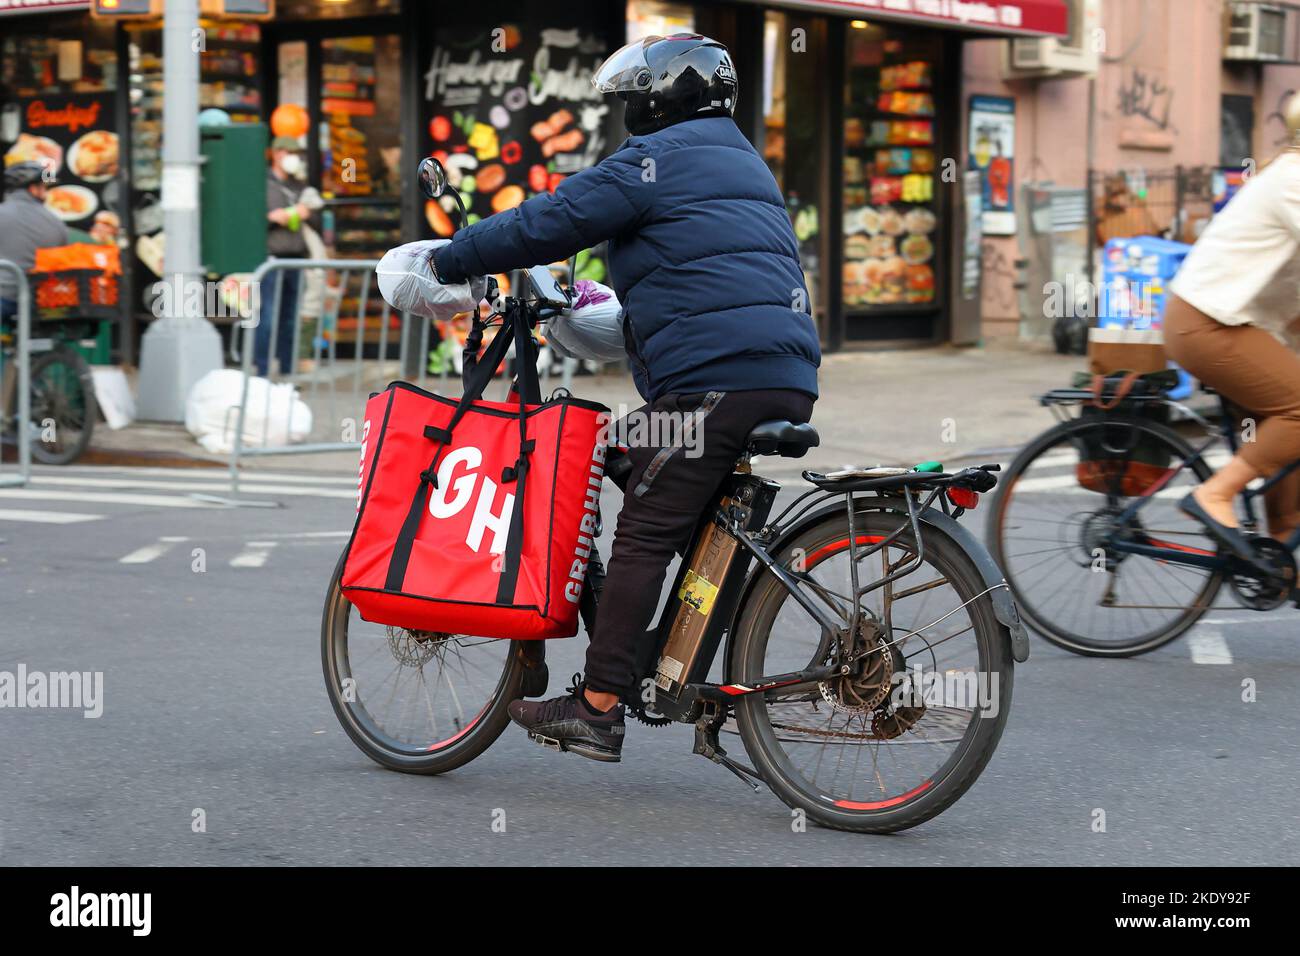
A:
181	345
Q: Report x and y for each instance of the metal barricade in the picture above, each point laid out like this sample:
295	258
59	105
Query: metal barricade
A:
331	381
22	368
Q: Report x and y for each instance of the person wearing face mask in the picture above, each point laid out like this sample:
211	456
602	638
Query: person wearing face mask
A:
287	215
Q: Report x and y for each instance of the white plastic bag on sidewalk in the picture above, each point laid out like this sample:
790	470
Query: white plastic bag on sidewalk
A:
592	328
275	414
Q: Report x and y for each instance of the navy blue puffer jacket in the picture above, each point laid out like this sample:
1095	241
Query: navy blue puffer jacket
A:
701	254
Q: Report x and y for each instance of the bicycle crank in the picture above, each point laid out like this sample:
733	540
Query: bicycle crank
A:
1265	594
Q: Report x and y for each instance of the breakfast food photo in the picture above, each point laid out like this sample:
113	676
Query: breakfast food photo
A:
71	203
94	156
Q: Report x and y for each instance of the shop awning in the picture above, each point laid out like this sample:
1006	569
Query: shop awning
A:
1018	18
9	7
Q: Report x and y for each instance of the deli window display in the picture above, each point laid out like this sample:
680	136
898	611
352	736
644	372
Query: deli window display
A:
360	143
58	107
890	175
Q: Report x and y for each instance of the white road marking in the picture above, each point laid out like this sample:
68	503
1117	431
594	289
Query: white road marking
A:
254	554
311	534
150	552
1069	485
196	474
245	487
45	517
104	497
1209	647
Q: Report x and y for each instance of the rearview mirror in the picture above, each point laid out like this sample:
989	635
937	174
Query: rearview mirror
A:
433	177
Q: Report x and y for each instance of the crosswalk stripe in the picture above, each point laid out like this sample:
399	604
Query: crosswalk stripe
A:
45	517
1209	647
1069	485
104	497
150	552
254	554
218	475
251	488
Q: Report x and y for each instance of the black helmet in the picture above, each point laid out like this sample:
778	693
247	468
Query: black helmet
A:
21	175
664	80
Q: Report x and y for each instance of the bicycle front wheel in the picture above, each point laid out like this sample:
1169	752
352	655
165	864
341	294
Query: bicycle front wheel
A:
907	732
416	701
1057	512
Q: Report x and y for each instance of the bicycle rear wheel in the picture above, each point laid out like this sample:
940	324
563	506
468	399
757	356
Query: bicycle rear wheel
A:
1048	532
416	701
897	741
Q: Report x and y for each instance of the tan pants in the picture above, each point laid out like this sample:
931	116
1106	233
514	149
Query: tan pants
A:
1256	372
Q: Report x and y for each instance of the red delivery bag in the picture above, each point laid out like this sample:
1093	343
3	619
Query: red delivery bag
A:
476	517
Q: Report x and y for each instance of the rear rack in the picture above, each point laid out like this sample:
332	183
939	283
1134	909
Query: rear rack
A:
1079	396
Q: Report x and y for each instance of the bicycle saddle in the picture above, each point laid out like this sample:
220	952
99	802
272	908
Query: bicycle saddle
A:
782	438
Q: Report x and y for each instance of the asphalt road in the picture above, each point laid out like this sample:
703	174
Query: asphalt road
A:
213	700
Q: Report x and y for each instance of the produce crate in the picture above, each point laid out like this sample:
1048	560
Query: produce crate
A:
75	294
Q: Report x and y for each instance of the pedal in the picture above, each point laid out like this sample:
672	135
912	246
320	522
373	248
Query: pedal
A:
550	743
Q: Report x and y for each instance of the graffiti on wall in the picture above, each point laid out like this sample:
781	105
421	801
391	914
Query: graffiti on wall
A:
1275	122
1147	97
999	285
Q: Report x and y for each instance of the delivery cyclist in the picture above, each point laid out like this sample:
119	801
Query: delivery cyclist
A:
716	323
25	225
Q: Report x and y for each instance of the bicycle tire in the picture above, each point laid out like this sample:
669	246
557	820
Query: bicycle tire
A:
980	738
1037	618
79	370
457	751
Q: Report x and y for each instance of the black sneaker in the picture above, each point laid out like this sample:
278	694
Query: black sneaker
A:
569	723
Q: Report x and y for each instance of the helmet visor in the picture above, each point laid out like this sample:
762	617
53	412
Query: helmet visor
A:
626	70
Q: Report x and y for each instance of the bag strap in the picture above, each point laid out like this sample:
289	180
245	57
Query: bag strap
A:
478	374
1121	391
527	390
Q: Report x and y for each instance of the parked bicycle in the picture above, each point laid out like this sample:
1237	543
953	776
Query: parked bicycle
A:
63	409
1087	528
867	640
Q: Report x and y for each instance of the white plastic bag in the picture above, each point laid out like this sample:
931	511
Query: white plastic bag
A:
592	328
275	414
407	283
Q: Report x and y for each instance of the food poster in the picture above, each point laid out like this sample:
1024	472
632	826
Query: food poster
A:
992	136
73	135
889	184
509	125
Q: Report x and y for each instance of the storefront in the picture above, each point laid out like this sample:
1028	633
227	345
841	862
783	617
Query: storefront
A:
855	104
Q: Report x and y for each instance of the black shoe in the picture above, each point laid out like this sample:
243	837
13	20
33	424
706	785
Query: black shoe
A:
569	723
1231	538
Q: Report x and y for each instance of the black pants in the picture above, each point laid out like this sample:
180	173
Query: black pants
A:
671	483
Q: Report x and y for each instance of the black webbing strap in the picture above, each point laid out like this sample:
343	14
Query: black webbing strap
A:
478	373
527	390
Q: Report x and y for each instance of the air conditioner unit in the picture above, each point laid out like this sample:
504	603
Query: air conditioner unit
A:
1255	32
1079	52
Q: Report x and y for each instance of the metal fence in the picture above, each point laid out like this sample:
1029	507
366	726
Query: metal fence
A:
332	379
1169	203
342	365
21	362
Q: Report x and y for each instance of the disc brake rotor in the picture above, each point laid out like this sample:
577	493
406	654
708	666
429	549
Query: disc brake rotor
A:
415	648
868	683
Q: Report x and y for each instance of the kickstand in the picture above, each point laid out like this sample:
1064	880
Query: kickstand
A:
706	743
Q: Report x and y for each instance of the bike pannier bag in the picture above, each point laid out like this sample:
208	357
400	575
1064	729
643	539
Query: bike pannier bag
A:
476	517
1115	458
